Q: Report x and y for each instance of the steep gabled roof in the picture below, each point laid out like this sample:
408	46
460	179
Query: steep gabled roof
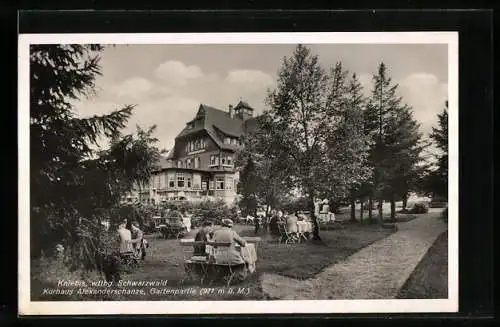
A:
216	123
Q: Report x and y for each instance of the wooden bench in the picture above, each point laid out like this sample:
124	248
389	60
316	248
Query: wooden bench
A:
202	266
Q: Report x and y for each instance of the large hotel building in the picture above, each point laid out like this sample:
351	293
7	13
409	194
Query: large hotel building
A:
201	163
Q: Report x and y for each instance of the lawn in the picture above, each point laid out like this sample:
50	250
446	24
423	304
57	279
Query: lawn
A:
301	261
429	280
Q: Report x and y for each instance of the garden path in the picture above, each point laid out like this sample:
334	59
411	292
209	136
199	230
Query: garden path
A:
375	272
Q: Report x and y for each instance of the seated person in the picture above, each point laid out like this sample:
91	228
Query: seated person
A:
137	240
273	224
125	239
228	254
291	223
203	235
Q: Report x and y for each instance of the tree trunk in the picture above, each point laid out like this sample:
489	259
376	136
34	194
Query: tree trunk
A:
315	233
405	201
393	207
353	209
370	206
380	211
361	210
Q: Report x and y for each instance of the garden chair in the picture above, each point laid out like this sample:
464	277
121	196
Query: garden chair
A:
196	267
286	237
229	271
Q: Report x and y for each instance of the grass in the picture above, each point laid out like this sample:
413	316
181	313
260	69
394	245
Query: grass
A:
302	261
429	280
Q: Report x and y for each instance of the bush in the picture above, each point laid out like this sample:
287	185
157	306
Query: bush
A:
419	208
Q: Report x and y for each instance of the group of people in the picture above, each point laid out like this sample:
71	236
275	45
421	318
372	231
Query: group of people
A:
224	235
288	219
132	239
276	217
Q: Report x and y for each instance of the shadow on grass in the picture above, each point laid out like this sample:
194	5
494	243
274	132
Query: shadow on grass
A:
429	280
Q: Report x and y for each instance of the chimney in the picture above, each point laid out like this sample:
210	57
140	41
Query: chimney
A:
231	112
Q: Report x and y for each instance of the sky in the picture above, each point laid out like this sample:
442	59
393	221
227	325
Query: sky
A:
167	83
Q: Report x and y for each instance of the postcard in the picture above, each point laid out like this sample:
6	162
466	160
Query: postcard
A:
238	173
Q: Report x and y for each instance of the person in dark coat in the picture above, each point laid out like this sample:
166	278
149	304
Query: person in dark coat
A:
203	235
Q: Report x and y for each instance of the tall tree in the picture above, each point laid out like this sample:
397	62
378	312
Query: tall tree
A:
349	148
396	151
70	182
262	148
310	120
380	108
439	177
248	187
403	140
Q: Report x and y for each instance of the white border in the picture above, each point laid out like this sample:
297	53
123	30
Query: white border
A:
26	307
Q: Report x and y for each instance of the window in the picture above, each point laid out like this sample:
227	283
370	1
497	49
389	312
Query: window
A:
219	183
195	145
214	160
188	163
223	160
227	140
204	185
171	183
190	126
180	180
189	182
179	164
197	162
229	160
229	184
211	185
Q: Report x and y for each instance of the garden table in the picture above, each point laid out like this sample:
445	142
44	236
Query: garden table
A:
304	227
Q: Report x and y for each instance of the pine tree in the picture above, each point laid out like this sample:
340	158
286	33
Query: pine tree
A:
248	187
397	146
403	140
71	183
382	102
440	137
351	144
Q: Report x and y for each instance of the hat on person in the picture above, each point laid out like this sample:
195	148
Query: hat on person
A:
227	222
325	201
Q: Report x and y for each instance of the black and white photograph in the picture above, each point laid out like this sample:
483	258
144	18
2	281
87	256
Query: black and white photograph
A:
238	173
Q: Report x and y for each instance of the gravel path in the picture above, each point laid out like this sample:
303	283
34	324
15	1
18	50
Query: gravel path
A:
375	272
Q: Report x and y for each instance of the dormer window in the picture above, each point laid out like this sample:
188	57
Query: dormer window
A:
190	125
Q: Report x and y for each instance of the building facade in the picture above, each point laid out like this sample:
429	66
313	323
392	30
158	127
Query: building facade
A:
201	164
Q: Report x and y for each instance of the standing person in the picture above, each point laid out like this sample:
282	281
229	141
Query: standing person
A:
317	205
256	222
273	224
138	240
